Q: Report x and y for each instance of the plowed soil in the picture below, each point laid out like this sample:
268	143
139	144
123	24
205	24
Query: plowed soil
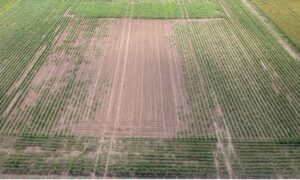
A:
145	89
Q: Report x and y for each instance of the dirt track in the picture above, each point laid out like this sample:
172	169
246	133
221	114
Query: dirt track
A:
144	76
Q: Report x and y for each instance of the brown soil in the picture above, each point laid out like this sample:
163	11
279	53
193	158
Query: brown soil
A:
127	76
144	95
49	69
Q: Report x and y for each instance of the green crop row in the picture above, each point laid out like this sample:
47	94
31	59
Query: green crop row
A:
18	60
238	76
148	9
143	157
51	104
285	15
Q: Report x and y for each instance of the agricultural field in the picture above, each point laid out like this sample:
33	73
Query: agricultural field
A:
147	88
285	15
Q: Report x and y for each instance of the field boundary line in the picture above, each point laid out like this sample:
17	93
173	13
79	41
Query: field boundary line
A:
281	40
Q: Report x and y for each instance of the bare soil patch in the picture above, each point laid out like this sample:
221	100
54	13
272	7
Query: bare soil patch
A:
143	95
113	77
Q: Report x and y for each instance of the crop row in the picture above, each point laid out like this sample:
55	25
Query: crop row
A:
239	65
141	157
146	9
19	61
55	93
285	16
